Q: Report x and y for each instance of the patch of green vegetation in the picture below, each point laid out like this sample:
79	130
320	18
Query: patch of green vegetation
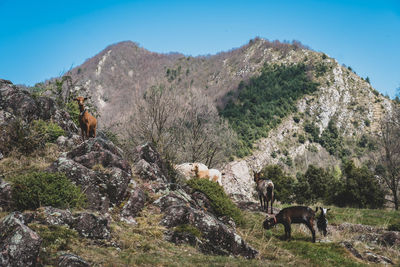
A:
312	130
220	202
54	238
36	189
321	254
25	138
190	229
72	108
267	99
358	188
47	130
372	217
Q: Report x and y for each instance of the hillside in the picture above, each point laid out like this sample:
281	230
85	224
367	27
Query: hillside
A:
68	202
119	75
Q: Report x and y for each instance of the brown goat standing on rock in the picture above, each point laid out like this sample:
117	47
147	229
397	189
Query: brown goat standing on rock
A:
296	214
87	122
265	189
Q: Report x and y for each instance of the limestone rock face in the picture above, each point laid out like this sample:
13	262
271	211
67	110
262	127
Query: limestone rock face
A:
19	245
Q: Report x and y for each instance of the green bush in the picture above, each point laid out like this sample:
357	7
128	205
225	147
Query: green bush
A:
73	111
220	202
47	131
358	188
54	238
313	130
312	185
36	189
26	138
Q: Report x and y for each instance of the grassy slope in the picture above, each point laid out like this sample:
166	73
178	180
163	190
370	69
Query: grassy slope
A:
143	245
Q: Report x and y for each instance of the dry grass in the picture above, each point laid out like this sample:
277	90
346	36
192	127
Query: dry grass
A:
16	163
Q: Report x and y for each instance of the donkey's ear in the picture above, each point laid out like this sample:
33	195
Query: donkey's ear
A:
328	209
85	98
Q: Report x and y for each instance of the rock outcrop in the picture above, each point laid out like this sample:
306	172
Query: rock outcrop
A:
19	245
180	208
97	166
18	103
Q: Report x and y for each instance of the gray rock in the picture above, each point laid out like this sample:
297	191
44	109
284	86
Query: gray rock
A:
19	245
134	204
149	165
91	226
71	260
217	238
53	216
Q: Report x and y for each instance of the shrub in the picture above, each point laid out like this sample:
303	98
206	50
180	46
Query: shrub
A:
36	189
46	131
73	111
313	185
220	202
26	138
358	188
302	139
54	238
313	130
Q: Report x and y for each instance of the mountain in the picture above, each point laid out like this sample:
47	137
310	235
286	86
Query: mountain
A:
343	103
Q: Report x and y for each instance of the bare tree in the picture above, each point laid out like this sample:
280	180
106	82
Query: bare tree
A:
389	154
183	125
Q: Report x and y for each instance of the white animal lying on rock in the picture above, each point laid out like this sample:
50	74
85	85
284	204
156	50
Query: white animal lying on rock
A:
199	170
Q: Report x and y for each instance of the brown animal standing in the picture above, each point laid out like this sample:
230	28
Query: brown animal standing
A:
296	214
87	122
265	189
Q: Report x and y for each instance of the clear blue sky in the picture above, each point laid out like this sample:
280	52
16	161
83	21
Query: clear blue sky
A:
41	39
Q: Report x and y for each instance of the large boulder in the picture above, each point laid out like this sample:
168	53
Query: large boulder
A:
97	166
216	237
19	245
237	181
